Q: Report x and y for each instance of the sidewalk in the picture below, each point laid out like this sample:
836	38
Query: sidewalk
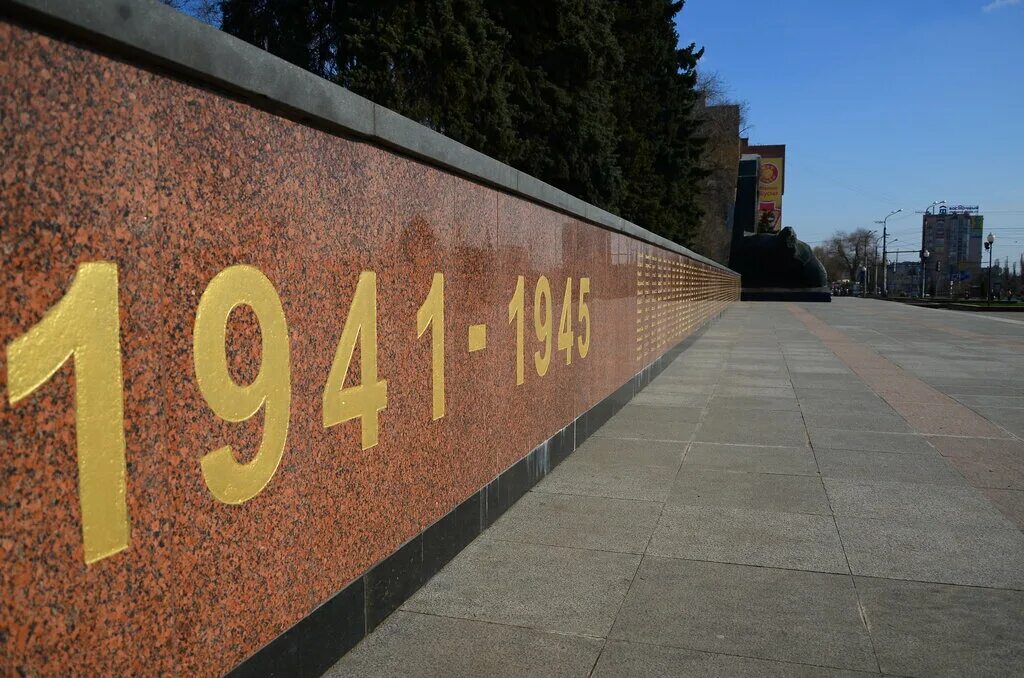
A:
812	490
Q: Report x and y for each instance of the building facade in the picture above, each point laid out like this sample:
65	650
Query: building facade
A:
771	183
953	240
905	278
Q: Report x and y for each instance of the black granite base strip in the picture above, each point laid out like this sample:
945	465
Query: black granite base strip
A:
319	640
315	643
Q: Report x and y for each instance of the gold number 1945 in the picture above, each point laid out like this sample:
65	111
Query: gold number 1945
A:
85	326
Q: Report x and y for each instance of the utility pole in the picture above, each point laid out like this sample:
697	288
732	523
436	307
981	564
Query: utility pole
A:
885	233
988	245
876	268
924	273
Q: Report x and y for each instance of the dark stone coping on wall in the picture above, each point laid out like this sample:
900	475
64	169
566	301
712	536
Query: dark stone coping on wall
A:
151	34
326	634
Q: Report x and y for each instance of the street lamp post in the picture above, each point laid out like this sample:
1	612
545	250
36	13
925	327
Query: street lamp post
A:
885	288
988	245
924	261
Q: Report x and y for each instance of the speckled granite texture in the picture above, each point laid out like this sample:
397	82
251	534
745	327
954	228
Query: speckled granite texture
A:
103	161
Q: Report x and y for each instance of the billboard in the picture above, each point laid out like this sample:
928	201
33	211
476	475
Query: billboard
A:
770	188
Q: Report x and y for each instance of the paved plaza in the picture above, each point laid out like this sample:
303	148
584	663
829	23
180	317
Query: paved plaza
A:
809	489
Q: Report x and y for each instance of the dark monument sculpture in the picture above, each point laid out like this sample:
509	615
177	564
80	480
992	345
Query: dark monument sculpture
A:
778	267
774	266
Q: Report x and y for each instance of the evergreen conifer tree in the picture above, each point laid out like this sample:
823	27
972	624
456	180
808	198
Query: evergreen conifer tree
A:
659	146
564	58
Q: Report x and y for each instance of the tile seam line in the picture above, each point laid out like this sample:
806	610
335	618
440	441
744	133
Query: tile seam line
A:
657	522
596	496
523	542
492	622
861	609
790	662
626	641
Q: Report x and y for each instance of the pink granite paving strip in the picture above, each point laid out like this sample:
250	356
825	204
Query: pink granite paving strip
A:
1010	502
926	409
985	463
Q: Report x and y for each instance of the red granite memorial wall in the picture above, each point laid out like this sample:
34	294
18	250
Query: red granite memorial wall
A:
244	359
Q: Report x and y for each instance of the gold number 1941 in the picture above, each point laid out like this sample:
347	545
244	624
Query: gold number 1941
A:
230	481
85	326
431	314
365	400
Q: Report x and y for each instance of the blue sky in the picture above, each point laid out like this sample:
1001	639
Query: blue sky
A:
881	104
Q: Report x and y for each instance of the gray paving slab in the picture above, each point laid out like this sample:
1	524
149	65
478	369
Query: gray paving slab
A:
615	481
579	521
688	376
752	458
618	469
913	503
871	441
754	381
664	385
639	660
747	403
416	645
598	450
551	588
756	391
683	372
821	400
775	378
752	427
799	370
816	413
697	486
878	420
863	466
652	422
718	413
830	382
938	630
970	556
749	537
654	397
766	613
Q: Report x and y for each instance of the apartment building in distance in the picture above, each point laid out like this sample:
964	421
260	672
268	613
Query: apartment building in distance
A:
952	236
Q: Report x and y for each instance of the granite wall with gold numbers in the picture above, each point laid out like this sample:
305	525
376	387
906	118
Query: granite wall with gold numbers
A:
228	277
